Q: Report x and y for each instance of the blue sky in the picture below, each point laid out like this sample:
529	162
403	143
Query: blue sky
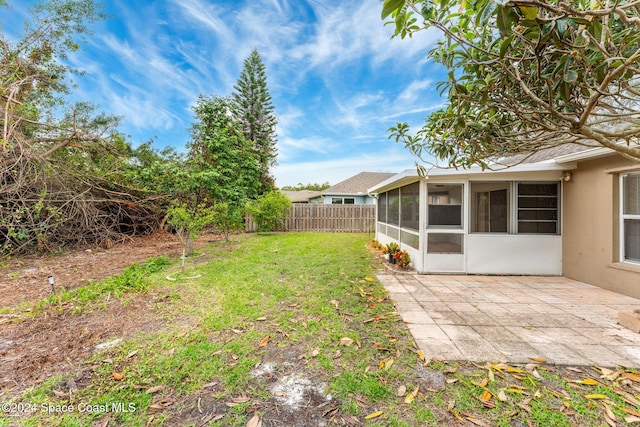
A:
337	79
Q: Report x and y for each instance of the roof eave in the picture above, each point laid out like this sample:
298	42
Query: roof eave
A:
544	166
591	153
405	177
411	175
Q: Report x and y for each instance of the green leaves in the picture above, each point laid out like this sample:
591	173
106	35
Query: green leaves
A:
269	210
505	20
189	221
227	218
427	10
505	44
391	6
520	75
487	13
224	165
530	12
254	112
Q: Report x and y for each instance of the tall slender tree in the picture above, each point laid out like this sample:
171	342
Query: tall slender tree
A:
255	113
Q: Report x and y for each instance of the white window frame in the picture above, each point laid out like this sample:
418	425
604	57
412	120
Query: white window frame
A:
436	201
513	194
623	217
557	198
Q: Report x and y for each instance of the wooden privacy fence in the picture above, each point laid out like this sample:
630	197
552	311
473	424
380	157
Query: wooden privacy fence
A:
330	218
345	218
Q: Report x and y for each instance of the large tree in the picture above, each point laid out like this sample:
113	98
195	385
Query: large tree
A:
526	75
255	112
224	167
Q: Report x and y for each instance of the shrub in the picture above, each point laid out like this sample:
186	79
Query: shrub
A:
392	248
270	210
402	259
375	244
227	218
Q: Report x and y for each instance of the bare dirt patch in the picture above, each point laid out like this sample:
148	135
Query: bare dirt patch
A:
36	349
297	396
24	279
33	349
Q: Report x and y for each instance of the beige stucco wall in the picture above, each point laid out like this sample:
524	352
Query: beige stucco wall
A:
590	227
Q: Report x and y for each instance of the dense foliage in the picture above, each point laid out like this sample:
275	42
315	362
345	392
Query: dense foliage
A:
224	166
270	210
525	75
312	187
69	176
63	167
227	219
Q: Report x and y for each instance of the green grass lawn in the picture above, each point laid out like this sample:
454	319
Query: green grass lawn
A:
294	329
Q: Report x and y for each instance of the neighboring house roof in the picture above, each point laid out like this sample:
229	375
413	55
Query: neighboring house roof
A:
300	196
358	184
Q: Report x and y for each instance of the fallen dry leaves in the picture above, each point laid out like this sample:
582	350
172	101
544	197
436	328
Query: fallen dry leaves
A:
409	398
118	376
243	398
402	390
386	363
373	415
255	421
264	341
154	389
346	341
520	386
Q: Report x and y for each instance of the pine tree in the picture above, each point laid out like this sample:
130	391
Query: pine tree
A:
255	113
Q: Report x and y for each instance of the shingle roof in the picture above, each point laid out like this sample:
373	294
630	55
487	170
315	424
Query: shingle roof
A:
358	184
546	154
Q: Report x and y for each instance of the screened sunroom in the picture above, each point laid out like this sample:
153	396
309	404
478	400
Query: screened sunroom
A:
476	222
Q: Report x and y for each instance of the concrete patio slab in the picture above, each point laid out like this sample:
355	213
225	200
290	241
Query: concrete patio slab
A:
514	319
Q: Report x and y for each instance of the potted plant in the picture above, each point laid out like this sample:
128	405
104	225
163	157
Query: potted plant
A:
391	249
402	259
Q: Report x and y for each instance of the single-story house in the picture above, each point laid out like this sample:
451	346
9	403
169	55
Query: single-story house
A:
300	196
352	191
560	212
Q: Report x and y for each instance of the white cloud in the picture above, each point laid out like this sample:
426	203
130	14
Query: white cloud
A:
337	79
399	112
414	91
292	149
338	169
288	117
353	30
209	16
356	112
